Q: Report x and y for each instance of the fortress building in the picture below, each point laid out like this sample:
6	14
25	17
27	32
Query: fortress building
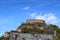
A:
35	21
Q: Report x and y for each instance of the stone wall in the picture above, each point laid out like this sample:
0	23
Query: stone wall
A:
34	20
27	36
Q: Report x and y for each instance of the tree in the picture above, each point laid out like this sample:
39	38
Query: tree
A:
1	38
53	26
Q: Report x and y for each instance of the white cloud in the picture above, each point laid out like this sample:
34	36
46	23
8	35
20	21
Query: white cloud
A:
26	7
48	17
32	15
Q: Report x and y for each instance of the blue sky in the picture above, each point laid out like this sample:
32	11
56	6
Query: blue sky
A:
15	12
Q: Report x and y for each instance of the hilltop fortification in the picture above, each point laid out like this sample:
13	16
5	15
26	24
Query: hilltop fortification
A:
31	23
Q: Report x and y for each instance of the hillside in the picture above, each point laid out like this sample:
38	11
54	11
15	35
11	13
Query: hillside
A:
35	28
38	27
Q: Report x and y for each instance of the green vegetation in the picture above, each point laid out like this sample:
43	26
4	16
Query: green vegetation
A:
49	29
31	30
1	38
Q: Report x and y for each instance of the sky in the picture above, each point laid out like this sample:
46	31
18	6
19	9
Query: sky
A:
14	12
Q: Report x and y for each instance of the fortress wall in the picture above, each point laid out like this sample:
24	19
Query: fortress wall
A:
34	20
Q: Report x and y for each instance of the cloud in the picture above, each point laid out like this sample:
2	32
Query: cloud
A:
48	17
32	15
26	7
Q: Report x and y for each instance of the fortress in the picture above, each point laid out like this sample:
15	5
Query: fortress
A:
30	23
35	21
